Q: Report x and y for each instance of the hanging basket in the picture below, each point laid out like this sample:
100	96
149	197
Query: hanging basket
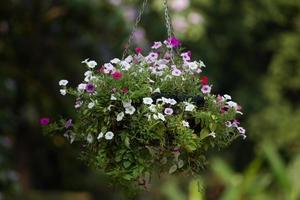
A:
148	113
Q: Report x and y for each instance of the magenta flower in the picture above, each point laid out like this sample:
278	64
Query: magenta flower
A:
174	42
117	75
68	123
138	50
44	121
90	88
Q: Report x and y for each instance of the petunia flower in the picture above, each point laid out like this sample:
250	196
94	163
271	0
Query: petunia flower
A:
176	72
68	123
91	105
89	138
90	88
117	75
63	82
130	110
186	56
109	135
156	45
206	89
125	90
212	134
204	80
185	124
138	50
91	64
174	42
63	92
189	107
126	103
115	61
168	111
44	121
147	100
100	135
120	116
241	130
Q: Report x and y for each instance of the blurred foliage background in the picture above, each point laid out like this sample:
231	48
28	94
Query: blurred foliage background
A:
251	48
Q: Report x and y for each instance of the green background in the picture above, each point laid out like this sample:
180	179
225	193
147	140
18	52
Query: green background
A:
251	49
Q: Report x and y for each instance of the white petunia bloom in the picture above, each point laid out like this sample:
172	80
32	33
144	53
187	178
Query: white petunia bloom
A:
91	64
212	134
91	105
63	82
100	135
161	116
81	87
157	90
241	130
130	110
185	123
192	65
125	65
63	92
147	100
189	106
173	102
129	59
89	138
108	66
113	98
115	61
201	64
152	108
126	104
120	116
109	135
232	104
227	97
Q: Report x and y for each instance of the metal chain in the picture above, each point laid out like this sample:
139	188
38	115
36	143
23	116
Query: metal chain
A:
137	21
169	27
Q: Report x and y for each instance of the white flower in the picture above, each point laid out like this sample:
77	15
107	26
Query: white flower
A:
100	136
81	87
88	73
91	64
168	111
161	116
189	106
157	90
152	108
156	45
241	130
185	56
63	92
228	124
227	97
206	89
125	65
173	102
129	59
151	81
109	135
115	61
113	98
126	104
201	64
166	100
232	104
63	82
108	66
147	100
129	110
185	123
85	61
109	107
91	105
89	138
176	72
120	116
192	65
213	134
78	104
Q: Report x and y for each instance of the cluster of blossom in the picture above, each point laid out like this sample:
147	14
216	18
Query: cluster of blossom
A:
159	64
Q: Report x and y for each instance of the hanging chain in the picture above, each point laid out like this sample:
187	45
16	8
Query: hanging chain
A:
137	21
169	27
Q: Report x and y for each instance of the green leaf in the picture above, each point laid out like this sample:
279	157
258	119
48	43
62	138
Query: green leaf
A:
126	163
127	142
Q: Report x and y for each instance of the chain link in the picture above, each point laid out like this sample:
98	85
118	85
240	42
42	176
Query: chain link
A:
169	27
137	21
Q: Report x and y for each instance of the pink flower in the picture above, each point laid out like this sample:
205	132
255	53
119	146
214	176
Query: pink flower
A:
241	130
174	42
138	50
206	89
125	90
186	56
44	121
176	72
156	45
117	75
168	111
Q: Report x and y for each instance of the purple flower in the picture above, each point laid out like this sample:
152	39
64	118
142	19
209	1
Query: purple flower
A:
206	89
176	72
44	121
168	111
174	42
68	123
241	130
90	88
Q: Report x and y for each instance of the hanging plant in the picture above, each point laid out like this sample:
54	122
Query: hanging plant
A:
148	113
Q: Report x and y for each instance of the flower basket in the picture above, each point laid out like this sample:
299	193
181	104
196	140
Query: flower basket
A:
148	113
